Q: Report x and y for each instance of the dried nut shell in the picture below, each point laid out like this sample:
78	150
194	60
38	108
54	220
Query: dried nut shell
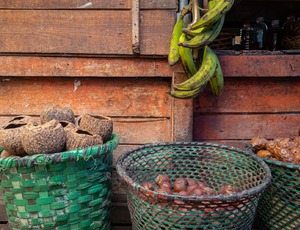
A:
23	119
161	178
100	125
265	154
47	138
5	154
10	139
77	138
180	184
57	113
258	143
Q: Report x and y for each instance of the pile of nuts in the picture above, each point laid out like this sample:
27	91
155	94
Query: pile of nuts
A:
184	187
281	149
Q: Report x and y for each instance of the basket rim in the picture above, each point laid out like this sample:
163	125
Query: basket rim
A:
273	162
235	196
71	155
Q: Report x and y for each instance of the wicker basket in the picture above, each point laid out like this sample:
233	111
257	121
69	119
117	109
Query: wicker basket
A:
212	163
67	190
279	206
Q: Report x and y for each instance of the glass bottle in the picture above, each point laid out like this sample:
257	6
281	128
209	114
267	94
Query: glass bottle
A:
260	30
246	36
288	24
274	36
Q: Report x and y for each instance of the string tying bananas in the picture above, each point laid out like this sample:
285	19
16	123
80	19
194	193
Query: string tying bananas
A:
193	39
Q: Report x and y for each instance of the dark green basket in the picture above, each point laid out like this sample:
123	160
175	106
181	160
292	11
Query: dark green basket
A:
67	190
279	206
212	163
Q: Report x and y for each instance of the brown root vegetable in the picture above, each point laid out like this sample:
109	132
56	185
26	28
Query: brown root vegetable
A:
180	184
191	187
197	192
227	190
264	154
297	140
183	193
147	185
161	178
201	184
285	155
208	190
285	143
271	146
166	184
191	182
258	143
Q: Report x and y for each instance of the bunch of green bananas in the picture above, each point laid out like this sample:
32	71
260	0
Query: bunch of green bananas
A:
195	38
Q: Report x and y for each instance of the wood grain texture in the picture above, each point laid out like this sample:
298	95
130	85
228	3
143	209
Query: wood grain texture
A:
245	126
83	32
182	114
122	97
261	65
84	4
28	66
252	95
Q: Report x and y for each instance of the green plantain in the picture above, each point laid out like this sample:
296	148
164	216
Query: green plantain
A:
173	56
217	81
204	74
182	94
206	37
186	57
214	14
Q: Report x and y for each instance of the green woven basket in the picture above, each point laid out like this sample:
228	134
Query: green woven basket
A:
67	190
279	206
212	163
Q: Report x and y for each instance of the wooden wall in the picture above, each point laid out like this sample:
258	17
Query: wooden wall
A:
80	54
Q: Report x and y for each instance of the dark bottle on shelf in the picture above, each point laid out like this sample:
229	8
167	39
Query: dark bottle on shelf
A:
246	36
259	37
274	36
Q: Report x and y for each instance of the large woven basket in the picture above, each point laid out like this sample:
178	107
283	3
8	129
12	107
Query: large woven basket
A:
279	206
212	163
67	190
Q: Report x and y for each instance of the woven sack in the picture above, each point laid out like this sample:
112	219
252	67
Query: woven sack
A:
66	190
215	164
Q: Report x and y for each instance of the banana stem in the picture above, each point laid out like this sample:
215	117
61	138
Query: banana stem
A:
195	12
205	5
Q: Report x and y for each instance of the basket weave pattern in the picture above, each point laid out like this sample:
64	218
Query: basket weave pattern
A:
212	163
68	190
279	206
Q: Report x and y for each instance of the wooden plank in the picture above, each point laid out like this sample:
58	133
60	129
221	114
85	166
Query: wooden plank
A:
134	97
261	66
84	4
135	11
245	126
182	114
27	66
253	95
83	32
